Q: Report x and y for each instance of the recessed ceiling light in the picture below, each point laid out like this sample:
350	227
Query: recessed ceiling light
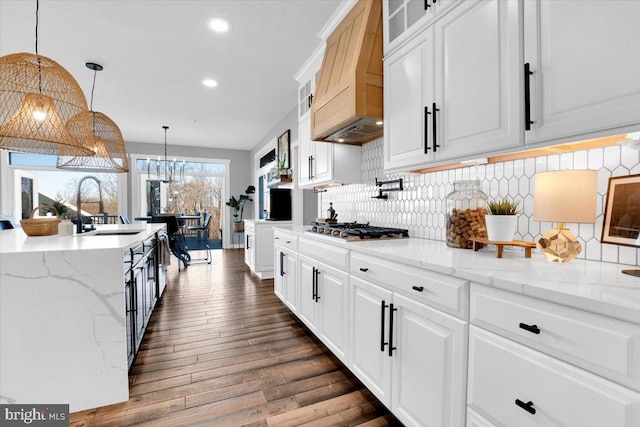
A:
210	82
219	25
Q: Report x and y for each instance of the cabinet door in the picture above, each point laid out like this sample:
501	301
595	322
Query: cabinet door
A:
139	285
291	279
333	297
305	151
478	79
409	86
322	164
250	250
307	305
368	326
129	319
279	281
585	61
429	366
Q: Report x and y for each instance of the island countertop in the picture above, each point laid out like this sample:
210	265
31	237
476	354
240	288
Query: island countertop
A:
16	241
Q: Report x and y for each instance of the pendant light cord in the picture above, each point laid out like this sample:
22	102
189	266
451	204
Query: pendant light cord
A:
93	87
38	56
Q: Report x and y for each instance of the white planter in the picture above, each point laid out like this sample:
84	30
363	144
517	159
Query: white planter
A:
501	228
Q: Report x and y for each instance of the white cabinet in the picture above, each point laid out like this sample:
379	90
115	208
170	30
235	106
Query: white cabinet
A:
535	363
403	15
307	77
453	92
410	355
324	163
517	386
258	250
584	62
286	261
323	303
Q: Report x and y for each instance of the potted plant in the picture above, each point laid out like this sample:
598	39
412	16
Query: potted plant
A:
501	220
283	170
237	206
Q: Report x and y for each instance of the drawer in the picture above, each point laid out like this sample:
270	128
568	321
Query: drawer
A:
328	254
249	227
443	292
508	380
605	346
285	240
476	420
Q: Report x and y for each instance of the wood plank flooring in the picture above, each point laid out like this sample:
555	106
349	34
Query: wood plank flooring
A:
222	350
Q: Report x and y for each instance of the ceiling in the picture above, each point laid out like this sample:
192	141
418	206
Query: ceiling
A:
155	54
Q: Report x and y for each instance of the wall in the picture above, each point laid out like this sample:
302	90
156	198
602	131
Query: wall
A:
419	208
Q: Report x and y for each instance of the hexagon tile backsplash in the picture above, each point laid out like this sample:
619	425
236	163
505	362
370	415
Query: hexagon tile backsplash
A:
420	207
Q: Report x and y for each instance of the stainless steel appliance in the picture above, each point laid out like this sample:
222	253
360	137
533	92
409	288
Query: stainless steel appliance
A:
353	231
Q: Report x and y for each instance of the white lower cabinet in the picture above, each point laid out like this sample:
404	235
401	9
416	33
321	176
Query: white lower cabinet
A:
285	277
535	363
476	420
517	386
323	303
411	356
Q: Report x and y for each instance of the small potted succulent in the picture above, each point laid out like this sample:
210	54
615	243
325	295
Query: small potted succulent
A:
501	220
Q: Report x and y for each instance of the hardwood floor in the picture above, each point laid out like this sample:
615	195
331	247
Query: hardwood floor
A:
222	350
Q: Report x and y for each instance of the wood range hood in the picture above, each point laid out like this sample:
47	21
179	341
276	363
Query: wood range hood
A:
347	107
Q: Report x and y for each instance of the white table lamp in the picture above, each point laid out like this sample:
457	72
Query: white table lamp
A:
564	196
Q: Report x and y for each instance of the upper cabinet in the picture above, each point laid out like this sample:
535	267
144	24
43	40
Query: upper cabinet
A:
583	59
402	17
307	78
449	92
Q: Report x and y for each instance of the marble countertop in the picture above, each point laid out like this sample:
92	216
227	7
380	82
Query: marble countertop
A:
593	286
15	240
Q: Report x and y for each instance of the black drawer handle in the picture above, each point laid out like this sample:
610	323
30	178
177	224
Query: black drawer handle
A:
288	241
364	269
526	406
531	328
418	288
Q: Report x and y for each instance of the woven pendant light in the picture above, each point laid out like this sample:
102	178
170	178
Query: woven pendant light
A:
37	99
105	140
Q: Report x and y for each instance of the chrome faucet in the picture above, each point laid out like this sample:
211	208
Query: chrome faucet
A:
79	226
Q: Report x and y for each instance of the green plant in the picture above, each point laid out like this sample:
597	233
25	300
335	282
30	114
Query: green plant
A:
238	204
282	162
503	207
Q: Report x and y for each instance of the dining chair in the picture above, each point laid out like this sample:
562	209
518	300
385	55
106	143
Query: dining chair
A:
202	229
124	219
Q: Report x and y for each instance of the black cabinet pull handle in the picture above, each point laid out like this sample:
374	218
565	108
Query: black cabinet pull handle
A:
310	98
531	328
527	97
310	167
526	406
247	238
418	288
313	284
383	306
281	263
288	241
426	4
426	130
364	269
317	272
391	347
435	131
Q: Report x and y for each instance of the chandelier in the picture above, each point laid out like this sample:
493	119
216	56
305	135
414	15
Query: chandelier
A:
38	97
105	140
166	171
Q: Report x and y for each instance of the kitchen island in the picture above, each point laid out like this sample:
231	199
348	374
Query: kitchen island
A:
63	316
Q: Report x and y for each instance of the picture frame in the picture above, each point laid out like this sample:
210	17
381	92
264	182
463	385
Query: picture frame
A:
284	147
621	224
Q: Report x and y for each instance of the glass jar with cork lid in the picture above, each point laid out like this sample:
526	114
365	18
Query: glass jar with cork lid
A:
465	209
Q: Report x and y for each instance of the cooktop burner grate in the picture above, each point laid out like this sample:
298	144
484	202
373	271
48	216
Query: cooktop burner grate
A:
352	231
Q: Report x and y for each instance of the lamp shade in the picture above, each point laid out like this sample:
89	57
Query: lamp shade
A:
106	142
566	196
37	99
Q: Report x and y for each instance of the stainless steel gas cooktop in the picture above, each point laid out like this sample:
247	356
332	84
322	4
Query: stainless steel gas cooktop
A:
353	231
